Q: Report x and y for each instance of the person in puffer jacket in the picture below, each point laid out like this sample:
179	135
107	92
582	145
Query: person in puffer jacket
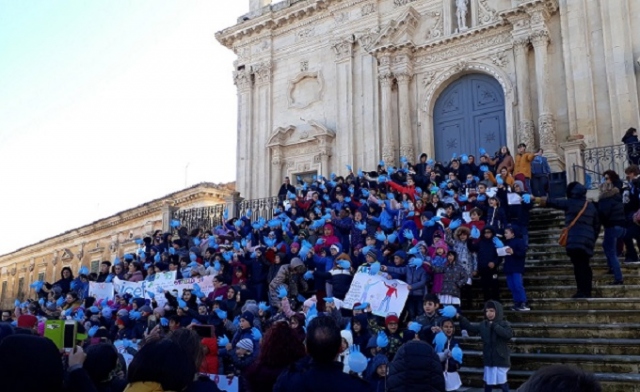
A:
376	373
415	368
210	361
582	236
289	276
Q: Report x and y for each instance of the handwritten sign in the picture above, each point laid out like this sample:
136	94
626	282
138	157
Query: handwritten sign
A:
101	290
384	295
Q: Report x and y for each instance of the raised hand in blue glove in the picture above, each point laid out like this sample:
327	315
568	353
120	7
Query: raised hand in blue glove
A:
308	275
182	304
439	342
256	334
374	269
391	238
497	242
408	234
455	224
344	264
380	236
415	327
475	233
462	198
448	312
482	197
223	341
382	340
456	354
526	198
222	315
282	292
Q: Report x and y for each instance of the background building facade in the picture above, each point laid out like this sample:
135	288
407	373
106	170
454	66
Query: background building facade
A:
107	238
328	83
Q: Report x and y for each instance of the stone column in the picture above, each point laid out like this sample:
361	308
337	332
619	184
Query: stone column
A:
244	82
573	156
404	108
232	202
546	121
345	141
388	139
263	101
526	126
277	162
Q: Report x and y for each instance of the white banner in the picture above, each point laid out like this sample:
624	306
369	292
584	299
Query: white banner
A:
167	282
101	290
385	296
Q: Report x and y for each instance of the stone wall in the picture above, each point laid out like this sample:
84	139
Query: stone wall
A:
98	241
368	74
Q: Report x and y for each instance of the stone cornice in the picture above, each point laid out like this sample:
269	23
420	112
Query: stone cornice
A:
185	196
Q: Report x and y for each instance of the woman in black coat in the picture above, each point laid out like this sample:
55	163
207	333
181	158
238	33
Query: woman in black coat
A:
582	236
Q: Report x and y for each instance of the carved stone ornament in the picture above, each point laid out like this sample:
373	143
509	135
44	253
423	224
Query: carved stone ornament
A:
486	14
54	258
546	126
428	78
305	33
388	152
436	29
526	132
304	140
305	89
500	59
400	31
400	3
243	80
366	38
343	48
262	72
540	38
13	270
341	17
386	78
462	49
367	9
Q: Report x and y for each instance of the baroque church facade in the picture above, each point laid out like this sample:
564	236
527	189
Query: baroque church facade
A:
327	83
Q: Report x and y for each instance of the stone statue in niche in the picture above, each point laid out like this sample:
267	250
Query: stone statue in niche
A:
461	13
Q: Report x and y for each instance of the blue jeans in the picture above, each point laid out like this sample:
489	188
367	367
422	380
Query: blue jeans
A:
514	282
611	235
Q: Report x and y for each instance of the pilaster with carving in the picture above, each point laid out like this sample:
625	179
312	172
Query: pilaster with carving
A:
343	48
526	126
403	70
262	72
243	79
385	76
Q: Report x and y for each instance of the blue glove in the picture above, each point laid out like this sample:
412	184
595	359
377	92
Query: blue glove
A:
344	264
454	156
456	354
497	242
128	257
464	158
360	173
362	306
382	341
320	241
374	269
41	301
308	275
392	237
390	196
222	315
439	342
526	198
223	341
415	262
357	361
380	236
360	226
430	162
430	223
116	261
448	312
415	327
37	285
263	306
349	168
92	331
415	250
256	334
484	168
181	303
381	163
197	240
443	185
172	251
450	192
329	300
83	271
282	292
134	315
462	198
455	224
175	223
225	214
499	180
390	170
164	322
482	151
142	254
216	265
482	197
59	302
139	241
408	234
475	233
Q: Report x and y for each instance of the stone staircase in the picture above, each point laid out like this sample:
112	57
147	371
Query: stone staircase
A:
600	335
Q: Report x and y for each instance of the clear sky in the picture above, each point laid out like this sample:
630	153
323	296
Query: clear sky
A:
103	104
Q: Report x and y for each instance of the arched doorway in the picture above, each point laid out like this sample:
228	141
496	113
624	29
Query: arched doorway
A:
469	114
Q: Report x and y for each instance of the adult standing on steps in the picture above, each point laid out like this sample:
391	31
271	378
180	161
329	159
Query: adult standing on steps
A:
611	215
582	236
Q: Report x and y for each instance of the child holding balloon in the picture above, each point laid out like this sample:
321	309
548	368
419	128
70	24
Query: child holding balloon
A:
495	333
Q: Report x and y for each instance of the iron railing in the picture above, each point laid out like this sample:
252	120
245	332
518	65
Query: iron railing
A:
259	207
591	177
597	160
205	218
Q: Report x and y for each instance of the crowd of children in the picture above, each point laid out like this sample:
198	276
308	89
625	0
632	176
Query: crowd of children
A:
434	226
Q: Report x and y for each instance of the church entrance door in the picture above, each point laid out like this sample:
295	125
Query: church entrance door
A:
469	114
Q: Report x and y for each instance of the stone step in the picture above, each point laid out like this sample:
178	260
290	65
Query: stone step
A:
527	345
610	382
569	303
554	269
592	363
568	280
613	316
578	331
606	291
